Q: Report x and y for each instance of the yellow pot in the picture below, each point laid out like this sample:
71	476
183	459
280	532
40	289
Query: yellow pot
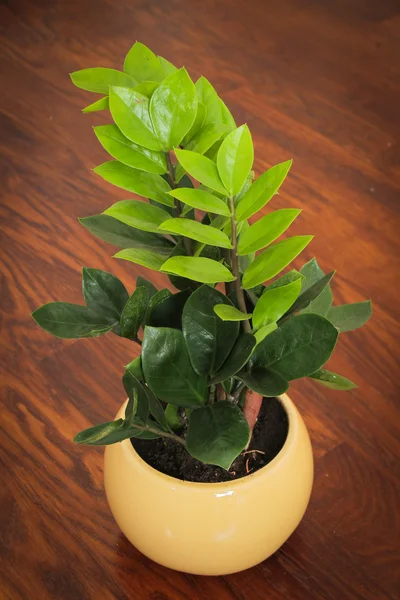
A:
211	528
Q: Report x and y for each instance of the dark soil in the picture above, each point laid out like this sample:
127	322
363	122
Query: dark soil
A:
171	458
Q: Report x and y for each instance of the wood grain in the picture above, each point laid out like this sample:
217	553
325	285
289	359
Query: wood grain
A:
315	80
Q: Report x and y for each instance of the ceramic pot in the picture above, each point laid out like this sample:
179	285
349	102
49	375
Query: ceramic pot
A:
211	528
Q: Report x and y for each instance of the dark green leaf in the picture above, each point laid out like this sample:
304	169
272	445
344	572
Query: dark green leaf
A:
98	432
99	79
66	320
347	317
138	214
196	231
313	273
312	293
237	358
208	339
274	303
266	382
201	168
102	104
103	293
142	64
332	380
235	159
266	230
156	409
217	434
151	287
197	268
135	367
134	312
168	311
167	368
137	410
230	313
146	258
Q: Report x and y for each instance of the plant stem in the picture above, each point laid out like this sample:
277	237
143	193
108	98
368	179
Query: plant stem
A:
235	269
211	396
171	436
178	208
251	408
236	395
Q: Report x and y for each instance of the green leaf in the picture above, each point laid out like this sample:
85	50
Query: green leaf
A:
154	300
314	293
217	112
167	66
103	293
156	410
208	339
66	320
274	259
147	88
298	348
274	303
347	317
266	230
230	313
101	104
292	275
142	64
167	312
136	181
135	368
134	312
150	286
146	258
266	382
201	200
198	122
201	142
201	168
237	358
98	432
197	268
313	273
99	79
128	153
130	111
181	283
226	116
172	417
332	380
137	409
167	368
262	190
173	108
235	159
262	333
196	231
114	232
217	434
138	214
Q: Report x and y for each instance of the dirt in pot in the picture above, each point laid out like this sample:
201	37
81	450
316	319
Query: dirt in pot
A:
171	458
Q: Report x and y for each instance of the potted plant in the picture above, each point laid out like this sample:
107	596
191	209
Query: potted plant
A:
208	464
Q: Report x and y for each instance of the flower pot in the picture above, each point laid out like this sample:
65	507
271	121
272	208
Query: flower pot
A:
211	528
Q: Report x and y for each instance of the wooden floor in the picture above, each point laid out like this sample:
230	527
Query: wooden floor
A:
316	80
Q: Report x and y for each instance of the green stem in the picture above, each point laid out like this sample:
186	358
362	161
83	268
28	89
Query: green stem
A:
211	396
178	207
235	269
171	436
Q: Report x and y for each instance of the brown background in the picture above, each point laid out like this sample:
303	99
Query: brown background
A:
316	81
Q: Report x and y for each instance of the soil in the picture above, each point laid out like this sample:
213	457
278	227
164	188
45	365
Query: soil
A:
172	458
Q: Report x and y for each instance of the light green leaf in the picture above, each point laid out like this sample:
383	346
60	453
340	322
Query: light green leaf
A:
103	293
167	66
237	358
201	168
332	380
217	434
266	230
209	97
274	259
235	159
144	184
347	317
198	122
264	331
66	320
172	417
130	111
147	88
142	64
173	108
230	313
197	268
292	275
101	104
202	200
226	116
98	432
262	190
274	303
100	79
134	312
138	214
266	382
201	142
129	153
298	348
196	231
322	302
146	258
167	368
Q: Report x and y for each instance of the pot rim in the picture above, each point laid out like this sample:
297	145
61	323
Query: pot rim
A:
293	427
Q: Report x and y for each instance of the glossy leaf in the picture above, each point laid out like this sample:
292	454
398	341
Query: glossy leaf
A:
167	369
146	258
167	312
201	168
266	382
130	111
266	230
217	434
129	153
262	190
99	79
196	231
298	348
142	64
103	293
347	317
230	313
147	88
262	333
101	104
66	320
173	108
197	268
237	358
98	432
201	142
144	184
288	277
313	293
273	260
208	339
235	159
201	200
274	303
332	380
134	312
197	124
181	283
117	233
150	286
138	214
167	66
137	409
313	273
135	367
